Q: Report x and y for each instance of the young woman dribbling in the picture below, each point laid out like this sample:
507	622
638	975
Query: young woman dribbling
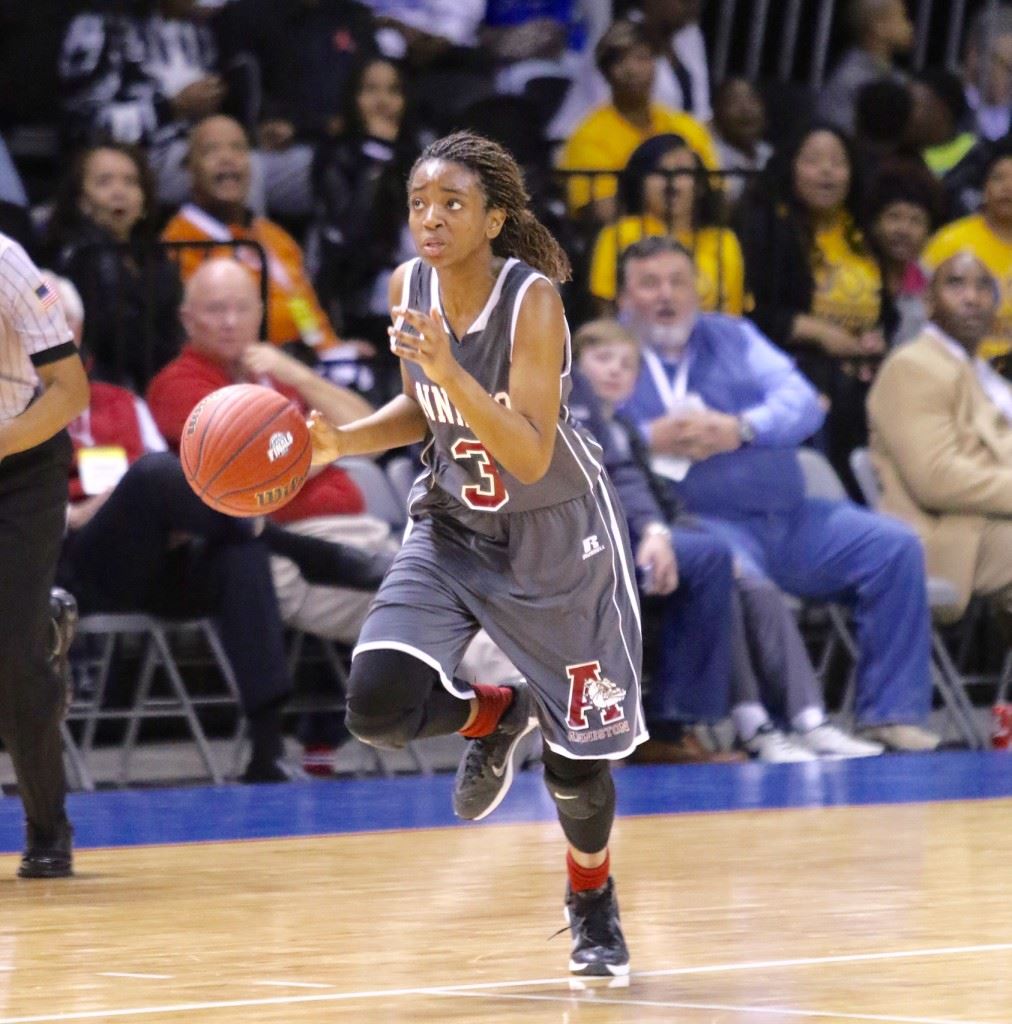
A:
515	528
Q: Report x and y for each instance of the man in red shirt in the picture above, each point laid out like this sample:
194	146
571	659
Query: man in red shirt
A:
221	314
138	539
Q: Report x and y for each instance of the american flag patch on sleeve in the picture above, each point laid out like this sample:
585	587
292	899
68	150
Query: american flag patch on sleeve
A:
47	296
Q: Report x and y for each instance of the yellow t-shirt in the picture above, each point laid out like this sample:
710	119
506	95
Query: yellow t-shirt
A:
605	140
848	285
720	267
973	234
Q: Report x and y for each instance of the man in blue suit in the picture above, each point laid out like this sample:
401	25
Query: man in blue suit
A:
723	412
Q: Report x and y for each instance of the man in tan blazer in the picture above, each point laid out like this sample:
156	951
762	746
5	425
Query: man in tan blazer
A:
941	438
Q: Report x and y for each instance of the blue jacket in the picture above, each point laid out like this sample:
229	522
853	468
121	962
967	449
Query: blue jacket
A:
736	370
631	478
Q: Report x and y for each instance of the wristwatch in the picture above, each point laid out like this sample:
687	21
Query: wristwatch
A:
657	529
745	430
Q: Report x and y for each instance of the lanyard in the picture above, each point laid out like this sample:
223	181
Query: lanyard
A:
672	395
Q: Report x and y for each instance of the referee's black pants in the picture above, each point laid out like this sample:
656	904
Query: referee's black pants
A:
33	503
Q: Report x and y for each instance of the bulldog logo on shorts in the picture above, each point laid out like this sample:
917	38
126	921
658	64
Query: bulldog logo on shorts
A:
589	690
604	694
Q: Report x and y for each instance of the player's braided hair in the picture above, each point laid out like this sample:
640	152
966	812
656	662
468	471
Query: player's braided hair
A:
522	235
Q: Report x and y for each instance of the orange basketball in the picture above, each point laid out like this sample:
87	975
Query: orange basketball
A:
245	450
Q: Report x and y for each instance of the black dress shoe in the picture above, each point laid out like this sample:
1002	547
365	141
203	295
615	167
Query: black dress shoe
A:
48	857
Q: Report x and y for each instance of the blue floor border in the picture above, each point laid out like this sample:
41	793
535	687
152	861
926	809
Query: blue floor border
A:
209	813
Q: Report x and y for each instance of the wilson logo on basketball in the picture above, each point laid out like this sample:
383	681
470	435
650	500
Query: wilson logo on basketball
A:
265	499
279	444
191	423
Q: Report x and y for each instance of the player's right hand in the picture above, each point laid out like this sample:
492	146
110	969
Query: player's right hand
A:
325	438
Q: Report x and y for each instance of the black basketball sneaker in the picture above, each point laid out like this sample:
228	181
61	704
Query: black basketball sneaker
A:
486	770
599	948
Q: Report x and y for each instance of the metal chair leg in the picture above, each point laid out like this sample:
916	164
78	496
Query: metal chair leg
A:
75	763
950	685
186	704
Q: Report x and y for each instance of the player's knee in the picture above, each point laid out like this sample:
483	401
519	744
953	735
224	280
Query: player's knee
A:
387	691
581	794
390	730
370	716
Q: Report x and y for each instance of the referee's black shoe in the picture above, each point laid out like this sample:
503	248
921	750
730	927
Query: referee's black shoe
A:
599	948
486	770
48	856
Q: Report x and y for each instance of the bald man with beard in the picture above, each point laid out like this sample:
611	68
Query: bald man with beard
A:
941	438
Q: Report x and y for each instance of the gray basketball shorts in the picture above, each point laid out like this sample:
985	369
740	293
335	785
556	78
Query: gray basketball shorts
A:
555	590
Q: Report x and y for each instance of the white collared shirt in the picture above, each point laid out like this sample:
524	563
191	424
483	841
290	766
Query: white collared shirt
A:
994	385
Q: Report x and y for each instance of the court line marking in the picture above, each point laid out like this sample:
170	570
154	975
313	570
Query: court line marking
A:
780	1011
131	974
808	961
494	986
295	984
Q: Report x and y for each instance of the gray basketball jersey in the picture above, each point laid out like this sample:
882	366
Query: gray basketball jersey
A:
463	478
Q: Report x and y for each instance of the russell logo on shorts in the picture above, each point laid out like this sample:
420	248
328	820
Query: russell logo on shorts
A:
591	546
590	691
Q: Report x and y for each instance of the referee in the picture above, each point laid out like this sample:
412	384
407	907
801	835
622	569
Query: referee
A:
43	386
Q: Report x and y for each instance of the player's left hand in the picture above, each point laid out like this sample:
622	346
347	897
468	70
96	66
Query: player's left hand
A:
431	348
325	438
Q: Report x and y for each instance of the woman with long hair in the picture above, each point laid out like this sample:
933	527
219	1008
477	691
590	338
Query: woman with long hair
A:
515	528
101	235
665	190
358	178
816	287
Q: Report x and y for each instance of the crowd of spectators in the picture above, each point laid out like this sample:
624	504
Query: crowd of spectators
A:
750	286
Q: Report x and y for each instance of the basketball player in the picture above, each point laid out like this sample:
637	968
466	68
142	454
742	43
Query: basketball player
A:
515	528
42	388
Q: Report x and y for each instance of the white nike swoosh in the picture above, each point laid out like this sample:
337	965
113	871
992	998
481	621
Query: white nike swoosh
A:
499	772
560	796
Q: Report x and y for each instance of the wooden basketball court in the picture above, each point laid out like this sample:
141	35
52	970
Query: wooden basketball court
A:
891	913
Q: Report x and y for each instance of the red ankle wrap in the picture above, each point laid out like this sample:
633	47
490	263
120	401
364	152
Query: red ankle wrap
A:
492	702
581	879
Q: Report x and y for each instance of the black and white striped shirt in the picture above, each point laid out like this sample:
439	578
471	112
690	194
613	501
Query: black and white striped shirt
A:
33	329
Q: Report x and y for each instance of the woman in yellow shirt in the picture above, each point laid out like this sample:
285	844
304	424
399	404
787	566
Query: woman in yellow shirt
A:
816	289
988	235
606	138
681	204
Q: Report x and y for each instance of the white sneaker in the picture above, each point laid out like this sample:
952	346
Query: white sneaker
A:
769	744
910	738
826	740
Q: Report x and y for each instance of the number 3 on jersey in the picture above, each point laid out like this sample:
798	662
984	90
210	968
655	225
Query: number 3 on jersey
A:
491	494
